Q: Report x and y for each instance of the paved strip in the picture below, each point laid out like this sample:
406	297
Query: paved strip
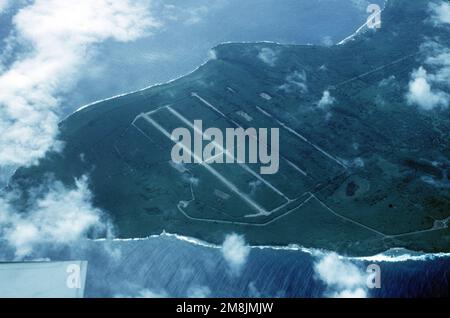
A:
244	223
300	136
204	101
213	171
226	152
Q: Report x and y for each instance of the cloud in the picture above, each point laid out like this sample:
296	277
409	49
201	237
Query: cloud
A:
4	4
440	12
268	56
235	251
429	85
327	41
360	4
198	292
57	39
212	54
342	278
253	291
59	216
147	293
188	16
439	60
135	291
354	163
326	100
144	293
422	94
356	293
388	82
295	82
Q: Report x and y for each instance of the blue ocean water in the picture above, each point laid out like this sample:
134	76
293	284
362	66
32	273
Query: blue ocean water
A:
167	266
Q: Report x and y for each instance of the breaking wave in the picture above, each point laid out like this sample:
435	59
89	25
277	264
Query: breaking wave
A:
390	256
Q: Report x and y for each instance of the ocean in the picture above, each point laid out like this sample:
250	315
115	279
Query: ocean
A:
175	266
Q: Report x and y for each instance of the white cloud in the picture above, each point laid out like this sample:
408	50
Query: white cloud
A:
387	82
212	54
422	94
188	16
4	4
147	293
295	82
355	163
326	100
195	15
144	293
360	4
438	59
327	41
342	278
62	36
235	251
198	292
428	87
61	216
441	12
253	291
268	56
355	293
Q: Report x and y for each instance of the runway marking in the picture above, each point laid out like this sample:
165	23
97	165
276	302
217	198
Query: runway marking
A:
333	87
226	152
262	211
243	223
301	137
213	171
204	101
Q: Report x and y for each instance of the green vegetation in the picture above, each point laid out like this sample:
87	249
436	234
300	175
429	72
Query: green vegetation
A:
353	178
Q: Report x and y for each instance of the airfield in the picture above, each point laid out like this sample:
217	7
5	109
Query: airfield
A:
366	174
237	193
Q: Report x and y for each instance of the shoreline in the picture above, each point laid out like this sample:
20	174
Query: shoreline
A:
392	255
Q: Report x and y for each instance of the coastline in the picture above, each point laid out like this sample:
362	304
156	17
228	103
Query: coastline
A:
392	255
97	102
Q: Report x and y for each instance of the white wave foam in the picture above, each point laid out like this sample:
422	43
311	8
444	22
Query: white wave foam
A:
361	29
390	256
206	61
401	255
172	80
135	91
